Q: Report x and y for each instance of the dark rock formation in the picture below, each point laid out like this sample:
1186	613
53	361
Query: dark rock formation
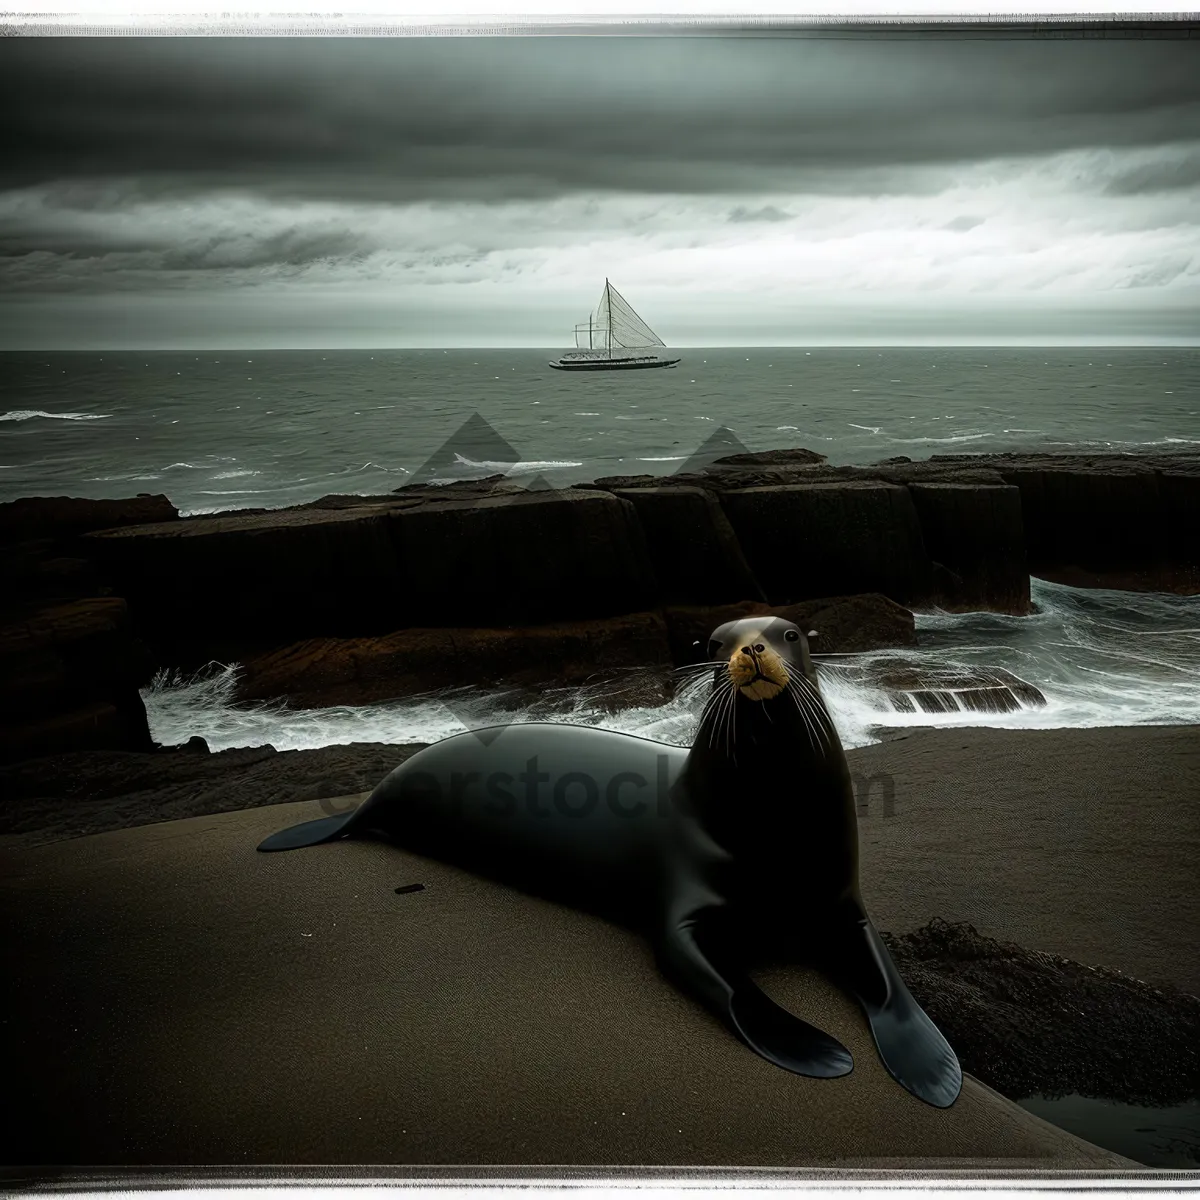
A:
37	573
1111	518
322	672
1108	520
42	558
523	558
70	665
694	551
276	575
960	532
60	517
69	677
852	624
119	723
832	539
975	536
924	689
797	457
1030	1023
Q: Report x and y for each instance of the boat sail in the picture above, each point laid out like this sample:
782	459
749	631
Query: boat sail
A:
613	338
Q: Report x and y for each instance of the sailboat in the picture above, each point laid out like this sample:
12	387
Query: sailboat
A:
613	338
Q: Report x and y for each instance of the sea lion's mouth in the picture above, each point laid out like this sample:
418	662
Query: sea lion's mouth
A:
758	675
761	688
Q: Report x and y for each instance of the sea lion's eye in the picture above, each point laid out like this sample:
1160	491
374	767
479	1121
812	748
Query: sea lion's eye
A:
713	647
791	636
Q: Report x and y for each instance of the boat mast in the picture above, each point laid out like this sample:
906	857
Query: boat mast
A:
608	302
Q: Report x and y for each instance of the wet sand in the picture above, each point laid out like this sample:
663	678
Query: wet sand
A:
1082	842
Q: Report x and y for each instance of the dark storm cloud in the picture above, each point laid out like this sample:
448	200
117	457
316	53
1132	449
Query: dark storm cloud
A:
289	248
1170	173
402	119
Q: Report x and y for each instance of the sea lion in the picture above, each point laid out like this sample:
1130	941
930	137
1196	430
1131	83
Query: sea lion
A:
743	846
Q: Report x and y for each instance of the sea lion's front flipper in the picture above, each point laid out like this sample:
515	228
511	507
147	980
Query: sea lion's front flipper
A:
910	1045
688	954
310	833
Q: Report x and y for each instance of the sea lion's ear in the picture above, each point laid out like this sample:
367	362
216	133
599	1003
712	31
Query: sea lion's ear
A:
812	634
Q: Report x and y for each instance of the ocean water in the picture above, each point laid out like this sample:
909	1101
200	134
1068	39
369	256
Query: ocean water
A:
1168	1137
222	429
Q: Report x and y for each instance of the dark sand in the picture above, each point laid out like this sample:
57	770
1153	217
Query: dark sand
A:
177	997
1084	843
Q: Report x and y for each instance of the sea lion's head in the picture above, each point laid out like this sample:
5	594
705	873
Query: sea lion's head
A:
762	655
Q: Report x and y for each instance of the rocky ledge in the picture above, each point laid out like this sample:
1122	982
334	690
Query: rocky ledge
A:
352	599
1028	1023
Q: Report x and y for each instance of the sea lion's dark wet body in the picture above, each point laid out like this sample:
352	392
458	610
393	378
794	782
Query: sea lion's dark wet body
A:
742	848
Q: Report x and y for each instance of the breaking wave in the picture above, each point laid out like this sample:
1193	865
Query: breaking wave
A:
1100	658
29	414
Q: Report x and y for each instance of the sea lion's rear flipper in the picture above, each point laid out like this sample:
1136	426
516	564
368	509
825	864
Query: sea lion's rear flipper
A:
688	955
910	1045
310	833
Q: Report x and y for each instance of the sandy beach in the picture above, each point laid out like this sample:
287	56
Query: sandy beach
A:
1078	842
180	998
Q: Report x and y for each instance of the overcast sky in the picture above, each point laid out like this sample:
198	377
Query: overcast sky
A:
473	192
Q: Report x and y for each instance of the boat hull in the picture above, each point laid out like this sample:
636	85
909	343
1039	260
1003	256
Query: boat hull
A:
617	365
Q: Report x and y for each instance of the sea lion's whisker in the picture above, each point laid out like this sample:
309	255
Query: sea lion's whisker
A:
712	704
812	702
723	719
814	713
824	724
794	694
713	707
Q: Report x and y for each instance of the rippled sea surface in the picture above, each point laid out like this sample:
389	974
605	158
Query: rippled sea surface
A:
222	430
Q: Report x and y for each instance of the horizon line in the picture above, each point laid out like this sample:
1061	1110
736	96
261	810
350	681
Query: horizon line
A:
1172	344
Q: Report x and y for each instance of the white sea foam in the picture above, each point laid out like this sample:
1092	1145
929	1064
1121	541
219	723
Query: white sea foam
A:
1101	658
121	478
179	706
959	437
469	468
28	414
